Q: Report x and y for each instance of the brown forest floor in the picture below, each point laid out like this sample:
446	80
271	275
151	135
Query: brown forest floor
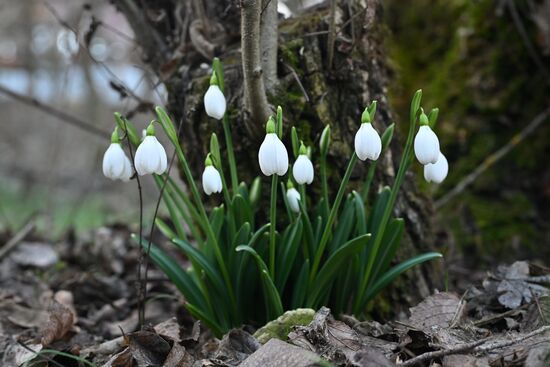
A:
79	297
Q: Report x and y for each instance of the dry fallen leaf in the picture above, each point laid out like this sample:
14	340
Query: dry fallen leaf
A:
60	323
439	310
276	353
148	348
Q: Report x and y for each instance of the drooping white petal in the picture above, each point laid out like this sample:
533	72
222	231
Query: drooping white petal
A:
128	170
214	102
272	156
426	145
150	157
211	180
367	143
436	172
293	196
114	162
282	157
303	170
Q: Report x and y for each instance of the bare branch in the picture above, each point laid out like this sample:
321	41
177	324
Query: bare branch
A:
61	115
493	158
268	42
255	97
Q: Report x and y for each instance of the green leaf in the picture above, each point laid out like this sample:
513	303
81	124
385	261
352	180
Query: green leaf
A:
290	246
210	322
333	265
345	225
378	210
165	229
273	300
397	270
181	279
415	104
295	141
390	244
215	150
218	68
205	265
128	128
167	125
242	211
255	192
387	136
299	293
361	220
432	117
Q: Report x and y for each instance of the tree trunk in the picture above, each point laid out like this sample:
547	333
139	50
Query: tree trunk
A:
311	92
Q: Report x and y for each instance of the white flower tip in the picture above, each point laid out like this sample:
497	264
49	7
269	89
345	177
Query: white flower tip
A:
293	198
368	144
437	172
211	180
214	102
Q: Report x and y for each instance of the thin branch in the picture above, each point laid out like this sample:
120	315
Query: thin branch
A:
255	96
478	346
61	115
526	41
493	158
269	37
18	237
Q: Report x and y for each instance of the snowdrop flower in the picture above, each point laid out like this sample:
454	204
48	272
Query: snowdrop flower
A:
367	141
436	172
116	164
272	156
214	100
293	198
426	143
211	179
150	155
303	168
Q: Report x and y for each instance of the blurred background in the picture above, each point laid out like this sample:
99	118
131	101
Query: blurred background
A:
485	64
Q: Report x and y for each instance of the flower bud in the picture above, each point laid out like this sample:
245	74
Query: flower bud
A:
293	198
426	145
324	142
150	155
367	142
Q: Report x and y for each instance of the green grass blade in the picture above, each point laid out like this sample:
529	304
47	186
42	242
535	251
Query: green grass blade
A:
391	241
333	265
299	293
165	229
397	270
290	247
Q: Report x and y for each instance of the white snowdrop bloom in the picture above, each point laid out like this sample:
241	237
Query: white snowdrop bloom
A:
367	142
303	170
116	164
150	155
273	156
214	102
426	145
436	172
293	196
211	180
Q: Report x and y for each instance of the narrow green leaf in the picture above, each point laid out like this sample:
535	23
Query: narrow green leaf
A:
165	229
360	217
333	264
167	125
295	141
299	293
215	149
209	267
390	244
387	136
290	246
397	270
210	322
128	128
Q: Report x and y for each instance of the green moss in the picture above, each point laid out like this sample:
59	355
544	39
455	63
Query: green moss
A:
283	325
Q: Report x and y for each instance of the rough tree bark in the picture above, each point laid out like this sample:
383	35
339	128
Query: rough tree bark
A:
312	94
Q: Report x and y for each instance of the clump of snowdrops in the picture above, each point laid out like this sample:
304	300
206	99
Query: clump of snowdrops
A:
336	251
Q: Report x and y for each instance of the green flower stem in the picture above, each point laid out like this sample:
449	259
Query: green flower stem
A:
403	166
368	181
324	184
272	220
211	237
302	190
230	155
227	199
332	217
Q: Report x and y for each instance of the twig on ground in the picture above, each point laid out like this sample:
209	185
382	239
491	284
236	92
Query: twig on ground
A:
478	346
493	158
61	115
18	237
489	319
